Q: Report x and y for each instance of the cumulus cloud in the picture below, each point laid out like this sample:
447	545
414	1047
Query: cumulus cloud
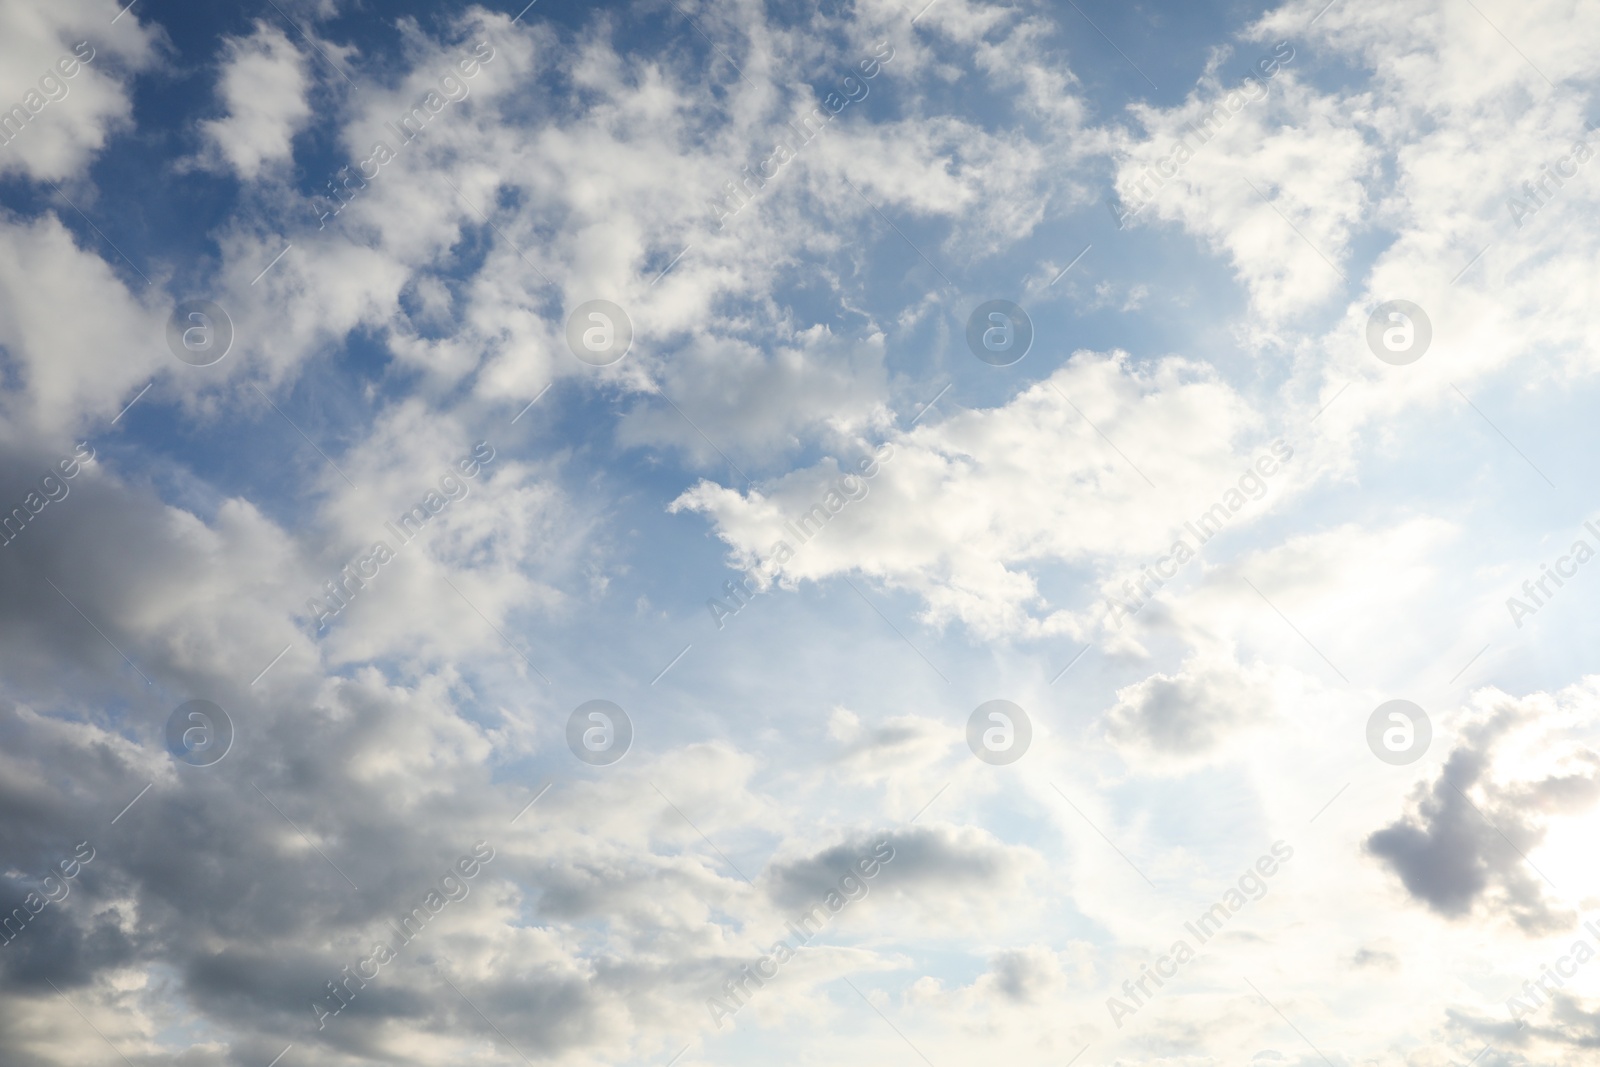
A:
1192	712
1203	366
1023	975
955	511
71	374
934	865
262	87
1465	844
65	87
1266	170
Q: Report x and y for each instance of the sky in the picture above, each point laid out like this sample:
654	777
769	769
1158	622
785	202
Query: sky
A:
715	532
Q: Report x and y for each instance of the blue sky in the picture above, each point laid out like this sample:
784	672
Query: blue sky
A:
1377	551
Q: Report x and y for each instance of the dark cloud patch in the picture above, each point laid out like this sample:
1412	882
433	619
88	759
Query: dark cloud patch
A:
1467	838
1375	957
932	861
1541	1038
1189	713
1023	975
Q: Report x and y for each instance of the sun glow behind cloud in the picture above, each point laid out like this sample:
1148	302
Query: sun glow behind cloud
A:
684	451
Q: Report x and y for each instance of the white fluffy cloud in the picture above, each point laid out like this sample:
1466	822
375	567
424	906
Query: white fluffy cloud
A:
1201	380
1188	714
957	511
1266	171
57	122
263	88
67	320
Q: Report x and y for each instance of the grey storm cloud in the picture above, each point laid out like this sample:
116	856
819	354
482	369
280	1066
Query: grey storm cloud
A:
207	874
929	861
1188	713
1453	852
1023	975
